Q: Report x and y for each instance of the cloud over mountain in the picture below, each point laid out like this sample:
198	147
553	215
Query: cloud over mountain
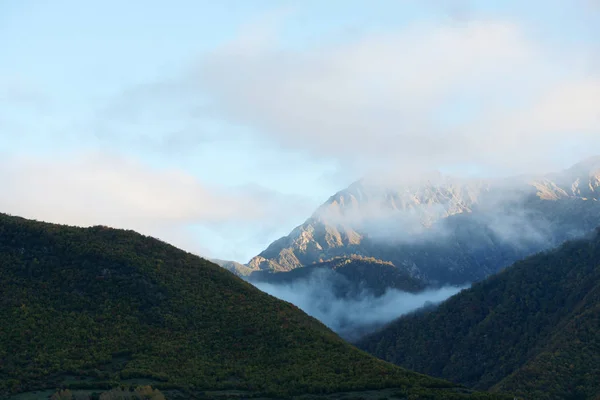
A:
482	92
96	188
355	315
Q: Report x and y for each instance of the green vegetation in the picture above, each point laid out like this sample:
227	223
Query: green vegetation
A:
91	309
533	329
234	267
120	393
355	274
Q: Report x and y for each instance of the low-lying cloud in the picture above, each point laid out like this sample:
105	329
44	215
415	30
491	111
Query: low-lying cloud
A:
356	314
100	189
432	211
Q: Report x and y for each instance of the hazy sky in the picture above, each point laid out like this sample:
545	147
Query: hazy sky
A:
220	125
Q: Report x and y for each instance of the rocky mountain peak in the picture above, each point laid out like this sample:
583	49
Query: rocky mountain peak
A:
377	208
582	180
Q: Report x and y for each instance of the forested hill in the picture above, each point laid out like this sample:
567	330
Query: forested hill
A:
533	329
97	307
348	277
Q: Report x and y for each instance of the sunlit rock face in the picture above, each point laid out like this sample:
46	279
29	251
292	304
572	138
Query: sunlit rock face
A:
441	229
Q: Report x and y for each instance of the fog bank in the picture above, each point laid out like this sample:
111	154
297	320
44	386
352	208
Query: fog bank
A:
354	315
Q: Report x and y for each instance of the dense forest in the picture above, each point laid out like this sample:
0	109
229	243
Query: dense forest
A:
352	276
100	308
533	329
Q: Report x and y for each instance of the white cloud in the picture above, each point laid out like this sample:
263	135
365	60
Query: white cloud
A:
396	98
97	189
469	92
358	314
118	192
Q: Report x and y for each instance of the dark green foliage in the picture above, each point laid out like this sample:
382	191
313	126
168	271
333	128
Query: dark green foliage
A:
84	306
532	329
354	274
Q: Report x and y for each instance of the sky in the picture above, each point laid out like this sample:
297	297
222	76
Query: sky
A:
220	126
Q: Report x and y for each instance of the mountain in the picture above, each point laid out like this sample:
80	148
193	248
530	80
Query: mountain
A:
533	329
444	230
349	217
348	276
99	308
353	296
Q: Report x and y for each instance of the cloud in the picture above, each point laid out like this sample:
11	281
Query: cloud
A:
117	190
356	315
486	94
97	188
469	91
445	209
380	219
476	92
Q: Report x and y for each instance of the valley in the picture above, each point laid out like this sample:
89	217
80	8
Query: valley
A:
96	308
531	329
300	199
371	246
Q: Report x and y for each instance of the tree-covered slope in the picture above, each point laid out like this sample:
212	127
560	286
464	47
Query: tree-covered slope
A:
348	276
232	266
533	329
96	307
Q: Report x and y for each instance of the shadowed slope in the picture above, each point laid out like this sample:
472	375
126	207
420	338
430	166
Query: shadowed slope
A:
108	306
532	329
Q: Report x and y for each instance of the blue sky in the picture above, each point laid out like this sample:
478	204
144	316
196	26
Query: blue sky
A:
219	126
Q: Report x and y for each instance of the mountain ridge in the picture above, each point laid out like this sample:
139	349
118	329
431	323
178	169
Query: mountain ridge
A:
235	267
98	308
377	221
531	329
372	272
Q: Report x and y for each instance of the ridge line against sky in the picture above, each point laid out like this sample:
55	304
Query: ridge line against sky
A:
220	126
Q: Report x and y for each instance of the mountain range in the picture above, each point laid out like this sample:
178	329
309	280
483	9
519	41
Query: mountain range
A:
442	230
351	295
532	329
87	310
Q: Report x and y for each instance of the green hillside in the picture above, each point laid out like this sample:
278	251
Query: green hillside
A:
232	266
533	329
94	308
354	275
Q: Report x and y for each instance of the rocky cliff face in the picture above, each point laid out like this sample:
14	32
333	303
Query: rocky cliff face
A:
367	210
441	226
581	180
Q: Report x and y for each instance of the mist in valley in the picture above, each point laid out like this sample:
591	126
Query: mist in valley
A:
445	235
352	313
